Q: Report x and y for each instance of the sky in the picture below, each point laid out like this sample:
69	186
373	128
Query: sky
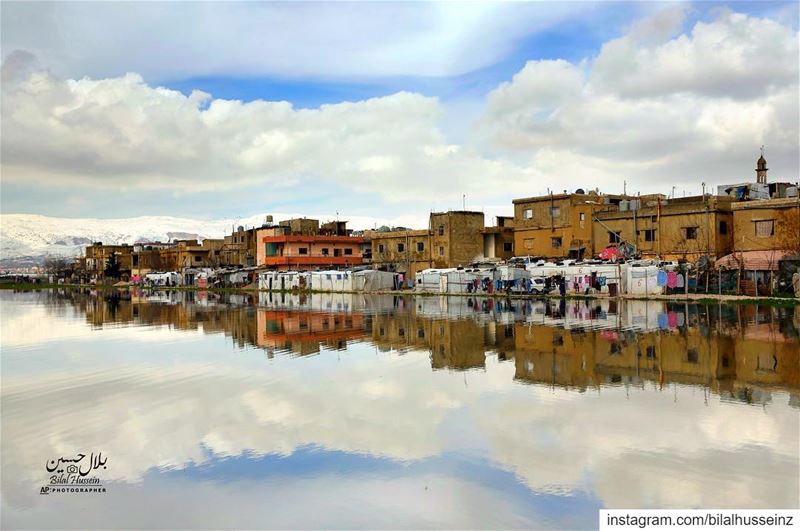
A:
223	109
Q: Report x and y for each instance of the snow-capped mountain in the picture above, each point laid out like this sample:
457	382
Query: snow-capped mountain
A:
32	236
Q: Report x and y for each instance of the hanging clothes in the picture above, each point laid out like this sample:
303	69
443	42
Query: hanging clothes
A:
679	281
661	279
672	279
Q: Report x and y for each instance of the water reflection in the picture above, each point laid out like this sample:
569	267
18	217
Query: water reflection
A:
542	410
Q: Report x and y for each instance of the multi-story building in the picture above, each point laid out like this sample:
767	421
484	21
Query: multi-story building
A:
192	253
146	257
452	239
239	248
767	224
305	253
670	229
96	258
498	241
559	225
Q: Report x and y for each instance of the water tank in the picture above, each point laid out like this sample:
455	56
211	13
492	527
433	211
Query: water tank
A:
623	205
240	228
269	218
580	191
635	204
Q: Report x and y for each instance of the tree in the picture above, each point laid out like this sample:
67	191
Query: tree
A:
58	266
112	267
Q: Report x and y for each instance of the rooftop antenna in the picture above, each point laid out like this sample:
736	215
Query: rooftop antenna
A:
624	187
463	201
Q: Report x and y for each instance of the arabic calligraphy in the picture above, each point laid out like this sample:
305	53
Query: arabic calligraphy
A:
93	463
75	474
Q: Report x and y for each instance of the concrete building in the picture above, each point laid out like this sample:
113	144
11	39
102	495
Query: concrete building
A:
559	225
239	248
452	239
670	229
192	253
301	226
768	224
306	252
96	257
498	241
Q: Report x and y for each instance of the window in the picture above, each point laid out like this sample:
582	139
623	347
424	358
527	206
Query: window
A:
441	230
198	258
527	213
691	355
614	237
348	251
421	333
691	233
765	228
615	349
508	247
420	246
324	251
302	250
401	332
723	227
441	251
582	216
401	247
337	252
555	211
556	242
650	235
380	248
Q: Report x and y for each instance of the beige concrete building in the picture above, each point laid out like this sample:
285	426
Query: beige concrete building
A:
453	239
498	241
671	229
559	225
767	224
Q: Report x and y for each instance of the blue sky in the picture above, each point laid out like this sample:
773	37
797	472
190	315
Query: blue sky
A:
488	118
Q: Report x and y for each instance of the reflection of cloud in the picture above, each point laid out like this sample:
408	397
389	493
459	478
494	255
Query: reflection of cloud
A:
169	403
147	416
652	449
34	325
319	502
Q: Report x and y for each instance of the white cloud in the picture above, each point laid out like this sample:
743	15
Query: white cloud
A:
689	108
121	132
334	41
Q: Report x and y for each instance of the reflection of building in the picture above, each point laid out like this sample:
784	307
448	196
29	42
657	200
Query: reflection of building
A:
305	332
740	352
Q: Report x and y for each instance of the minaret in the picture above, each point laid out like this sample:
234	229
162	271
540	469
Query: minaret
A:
761	168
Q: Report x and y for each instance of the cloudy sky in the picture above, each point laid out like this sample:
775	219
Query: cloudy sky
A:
213	110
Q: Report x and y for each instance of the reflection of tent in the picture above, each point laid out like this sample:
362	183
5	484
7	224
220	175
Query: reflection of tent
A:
752	260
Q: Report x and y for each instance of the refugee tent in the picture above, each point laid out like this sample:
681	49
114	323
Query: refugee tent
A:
171	278
643	280
374	280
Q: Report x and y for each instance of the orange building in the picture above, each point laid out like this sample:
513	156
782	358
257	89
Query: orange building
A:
303	253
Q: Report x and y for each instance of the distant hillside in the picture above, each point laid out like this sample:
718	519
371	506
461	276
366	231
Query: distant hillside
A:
28	238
